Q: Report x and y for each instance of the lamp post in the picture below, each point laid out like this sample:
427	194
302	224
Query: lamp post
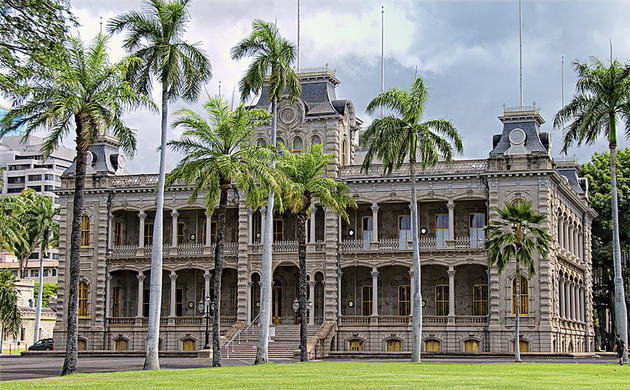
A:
205	307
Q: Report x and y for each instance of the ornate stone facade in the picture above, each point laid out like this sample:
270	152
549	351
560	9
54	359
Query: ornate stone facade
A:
359	272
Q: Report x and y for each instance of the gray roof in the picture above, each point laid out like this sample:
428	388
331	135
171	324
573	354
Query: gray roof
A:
529	121
104	157
571	173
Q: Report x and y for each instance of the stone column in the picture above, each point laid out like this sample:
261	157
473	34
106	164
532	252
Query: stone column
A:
561	297
340	296
411	285
572	300
140	277
374	292
250	226
208	228
565	235
311	291
451	291
263	213
141	217
249	302
174	215
567	300
108	305
451	221
311	239
206	278
173	288
582	311
374	222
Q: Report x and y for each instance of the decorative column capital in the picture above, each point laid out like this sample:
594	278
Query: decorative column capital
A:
141	276
174	214
312	283
374	207
142	214
173	276
207	275
450	204
451	272
374	274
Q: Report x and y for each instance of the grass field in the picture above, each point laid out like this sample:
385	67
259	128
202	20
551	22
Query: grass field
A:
353	375
14	350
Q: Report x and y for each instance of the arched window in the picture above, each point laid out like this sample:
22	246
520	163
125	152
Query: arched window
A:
85	230
83	299
298	145
524	296
432	346
279	144
356	345
344	146
315	140
394	345
261	142
121	345
82	345
471	346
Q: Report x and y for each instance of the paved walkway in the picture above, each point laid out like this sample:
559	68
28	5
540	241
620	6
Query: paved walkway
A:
12	368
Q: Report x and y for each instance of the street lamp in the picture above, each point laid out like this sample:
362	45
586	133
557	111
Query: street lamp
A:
204	307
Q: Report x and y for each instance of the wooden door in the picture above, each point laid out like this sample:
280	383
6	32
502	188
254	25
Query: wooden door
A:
82	345
356	345
276	309
471	346
188	345
394	346
121	345
432	346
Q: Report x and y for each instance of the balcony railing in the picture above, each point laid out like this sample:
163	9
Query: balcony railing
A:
190	249
406	320
229	248
395	244
198	321
285	246
124	250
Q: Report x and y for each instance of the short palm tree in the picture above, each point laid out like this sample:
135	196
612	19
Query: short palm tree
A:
516	235
400	136
307	184
87	94
271	67
603	96
155	36
44	215
10	315
219	156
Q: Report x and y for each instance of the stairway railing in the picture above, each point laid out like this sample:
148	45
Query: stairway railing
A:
230	343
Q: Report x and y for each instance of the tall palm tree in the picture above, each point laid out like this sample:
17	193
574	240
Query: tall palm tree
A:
18	234
603	95
10	315
307	184
396	137
271	67
219	156
156	37
44	215
89	94
516	235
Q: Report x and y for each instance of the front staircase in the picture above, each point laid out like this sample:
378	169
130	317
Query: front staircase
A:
285	344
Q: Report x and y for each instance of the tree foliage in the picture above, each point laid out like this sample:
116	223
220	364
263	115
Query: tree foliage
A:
50	289
10	316
32	32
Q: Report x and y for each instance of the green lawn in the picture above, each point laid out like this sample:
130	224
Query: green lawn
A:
14	350
355	375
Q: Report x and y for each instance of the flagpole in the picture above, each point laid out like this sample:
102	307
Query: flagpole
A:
298	35
520	45
382	55
564	154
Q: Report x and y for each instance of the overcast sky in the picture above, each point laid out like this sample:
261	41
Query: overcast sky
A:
466	51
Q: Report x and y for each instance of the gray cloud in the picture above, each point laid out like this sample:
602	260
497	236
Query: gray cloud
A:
467	52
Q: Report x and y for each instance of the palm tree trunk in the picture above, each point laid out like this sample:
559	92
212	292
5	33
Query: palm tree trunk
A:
416	322
152	361
40	292
71	359
517	323
301	236
265	289
621	314
218	274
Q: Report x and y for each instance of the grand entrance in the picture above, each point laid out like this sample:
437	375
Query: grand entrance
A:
283	295
276	308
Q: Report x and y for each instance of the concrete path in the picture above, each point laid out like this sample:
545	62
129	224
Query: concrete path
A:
14	367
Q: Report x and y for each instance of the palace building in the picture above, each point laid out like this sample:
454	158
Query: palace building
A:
359	273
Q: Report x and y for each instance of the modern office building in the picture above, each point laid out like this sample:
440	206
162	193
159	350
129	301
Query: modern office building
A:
360	274
24	167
